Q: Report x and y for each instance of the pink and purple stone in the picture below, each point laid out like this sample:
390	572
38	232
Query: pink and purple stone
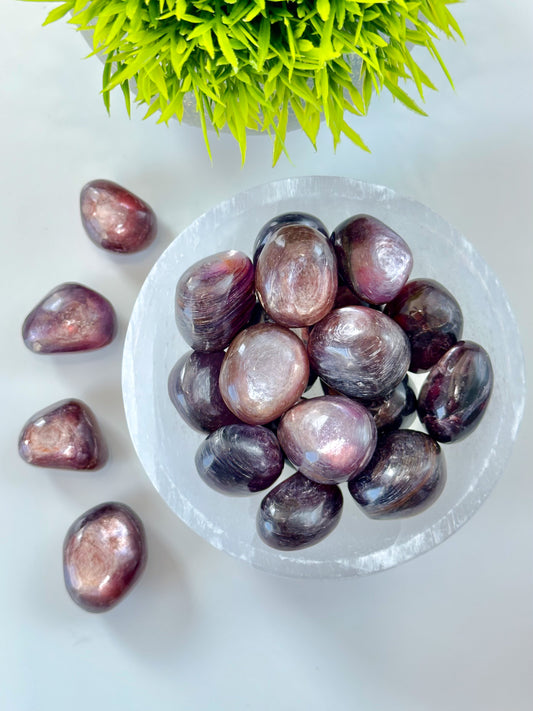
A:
104	554
116	219
70	318
286	218
64	435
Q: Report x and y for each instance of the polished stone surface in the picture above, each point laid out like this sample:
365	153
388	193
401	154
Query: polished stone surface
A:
296	276
64	435
432	319
457	390
214	300
346	297
397	409
329	439
116	219
69	318
359	351
240	459
194	392
265	371
373	259
404	477
104	554
298	513
286	218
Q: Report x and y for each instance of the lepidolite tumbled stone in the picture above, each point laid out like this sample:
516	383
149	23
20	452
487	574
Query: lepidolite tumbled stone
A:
240	459
71	317
116	219
406	475
265	371
359	351
329	439
64	435
214	300
373	259
104	554
432	319
298	513
287	218
194	392
456	392
296	276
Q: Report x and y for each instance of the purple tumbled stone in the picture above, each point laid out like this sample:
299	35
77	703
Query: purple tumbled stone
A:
71	317
116	219
397	409
194	392
406	475
265	371
287	218
64	435
240	459
296	276
359	351
329	439
104	555
214	300
456	392
431	318
298	513
373	260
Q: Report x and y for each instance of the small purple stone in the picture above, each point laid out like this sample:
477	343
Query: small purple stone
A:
298	513
71	317
287	218
431	318
397	409
194	392
456	392
406	475
104	555
64	435
240	459
116	219
373	260
329	439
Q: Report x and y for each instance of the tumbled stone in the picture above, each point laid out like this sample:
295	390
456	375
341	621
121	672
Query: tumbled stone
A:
240	459
287	218
456	392
296	276
431	318
265	372
64	435
104	554
71	317
374	260
298	513
214	300
329	439
359	351
395	410
116	219
406	475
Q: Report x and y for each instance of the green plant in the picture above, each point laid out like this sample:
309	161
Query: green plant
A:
249	63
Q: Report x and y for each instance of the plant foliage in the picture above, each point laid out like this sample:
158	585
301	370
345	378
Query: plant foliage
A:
250	63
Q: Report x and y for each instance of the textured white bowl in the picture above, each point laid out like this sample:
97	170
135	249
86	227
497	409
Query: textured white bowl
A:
166	446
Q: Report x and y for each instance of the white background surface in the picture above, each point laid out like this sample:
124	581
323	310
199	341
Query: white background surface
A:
450	630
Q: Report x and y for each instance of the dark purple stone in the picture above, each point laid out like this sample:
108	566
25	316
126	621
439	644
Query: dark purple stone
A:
214	300
328	438
431	318
298	513
359	351
397	409
374	261
296	276
104	555
116	219
287	218
193	389
346	297
406	475
71	317
64	435
240	459
456	392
